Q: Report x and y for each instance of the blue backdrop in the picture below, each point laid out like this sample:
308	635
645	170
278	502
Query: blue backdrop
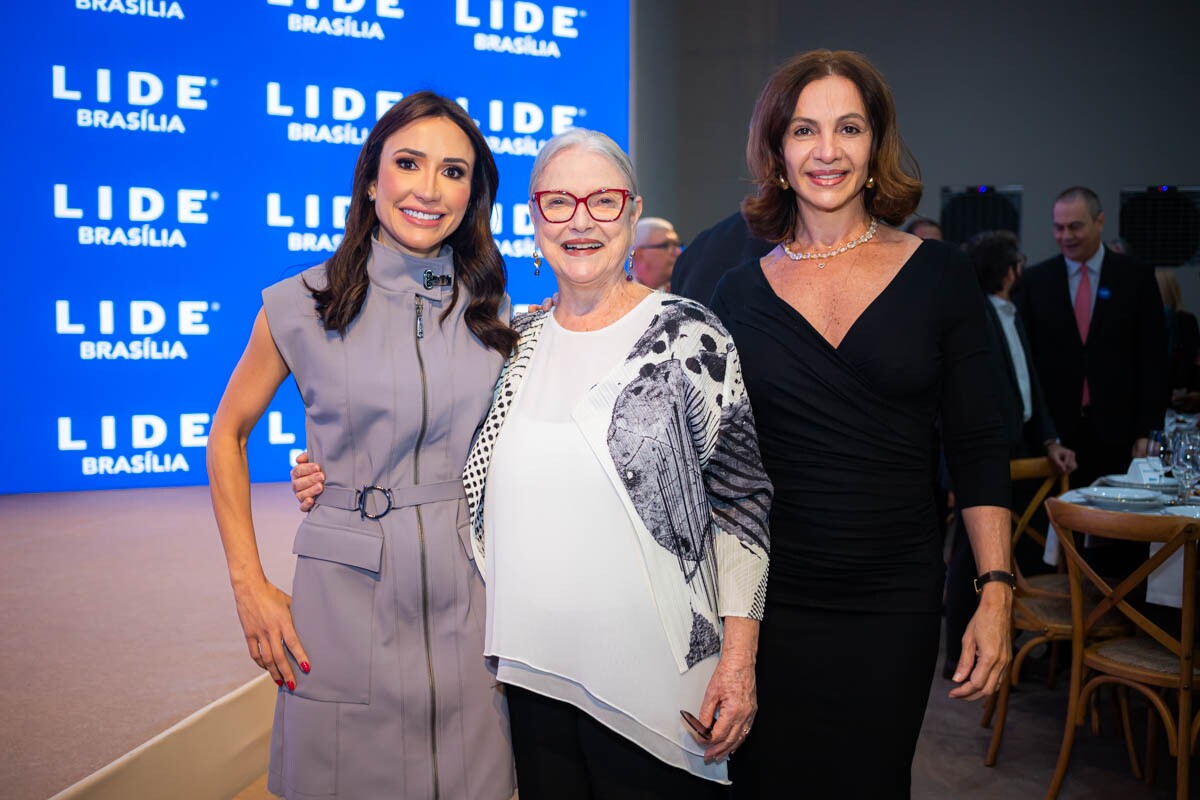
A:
167	159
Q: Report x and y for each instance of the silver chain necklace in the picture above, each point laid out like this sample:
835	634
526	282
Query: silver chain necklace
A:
823	258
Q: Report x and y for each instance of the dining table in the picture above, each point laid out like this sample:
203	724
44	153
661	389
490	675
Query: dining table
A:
1121	493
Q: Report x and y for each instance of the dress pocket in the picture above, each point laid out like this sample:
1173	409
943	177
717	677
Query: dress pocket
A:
333	597
308	757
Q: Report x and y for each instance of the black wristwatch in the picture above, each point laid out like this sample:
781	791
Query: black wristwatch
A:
995	575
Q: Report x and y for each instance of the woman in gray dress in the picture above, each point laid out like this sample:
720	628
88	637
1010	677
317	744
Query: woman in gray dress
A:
394	344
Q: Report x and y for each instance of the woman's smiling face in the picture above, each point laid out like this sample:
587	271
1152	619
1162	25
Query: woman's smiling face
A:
827	146
423	187
583	251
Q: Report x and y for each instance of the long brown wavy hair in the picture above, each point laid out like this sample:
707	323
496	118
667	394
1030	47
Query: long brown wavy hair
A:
477	262
770	211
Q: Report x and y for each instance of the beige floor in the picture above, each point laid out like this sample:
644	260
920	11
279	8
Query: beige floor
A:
117	621
949	759
255	791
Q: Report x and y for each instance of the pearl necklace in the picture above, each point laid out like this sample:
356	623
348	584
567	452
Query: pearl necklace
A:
823	258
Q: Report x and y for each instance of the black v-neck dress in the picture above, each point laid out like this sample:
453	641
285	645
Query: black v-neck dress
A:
849	639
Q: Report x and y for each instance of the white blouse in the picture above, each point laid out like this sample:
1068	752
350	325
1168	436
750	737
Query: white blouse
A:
551	508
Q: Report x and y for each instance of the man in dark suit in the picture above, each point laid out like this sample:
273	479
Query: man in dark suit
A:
713	253
998	265
1096	331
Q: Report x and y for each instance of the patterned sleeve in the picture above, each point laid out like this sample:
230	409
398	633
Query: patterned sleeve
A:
739	492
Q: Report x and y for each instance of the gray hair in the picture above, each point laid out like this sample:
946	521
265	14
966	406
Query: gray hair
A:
1089	198
646	225
591	141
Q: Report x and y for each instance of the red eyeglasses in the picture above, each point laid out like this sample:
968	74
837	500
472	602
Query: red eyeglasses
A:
604	205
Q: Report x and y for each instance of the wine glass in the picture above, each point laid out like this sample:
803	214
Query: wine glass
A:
1185	462
1158	447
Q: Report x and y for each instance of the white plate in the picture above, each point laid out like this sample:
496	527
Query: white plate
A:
1193	512
1112	494
1132	508
1125	482
1115	499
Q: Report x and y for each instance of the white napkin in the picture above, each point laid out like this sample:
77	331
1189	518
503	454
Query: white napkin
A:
1050	554
1164	586
1145	470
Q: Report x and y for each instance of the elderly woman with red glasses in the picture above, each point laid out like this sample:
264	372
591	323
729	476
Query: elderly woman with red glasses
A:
618	511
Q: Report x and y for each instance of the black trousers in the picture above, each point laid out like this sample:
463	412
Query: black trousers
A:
562	752
1098	457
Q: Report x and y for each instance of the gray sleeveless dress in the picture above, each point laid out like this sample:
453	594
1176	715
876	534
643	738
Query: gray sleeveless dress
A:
400	702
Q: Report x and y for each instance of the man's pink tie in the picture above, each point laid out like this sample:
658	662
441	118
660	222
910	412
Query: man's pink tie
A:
1083	317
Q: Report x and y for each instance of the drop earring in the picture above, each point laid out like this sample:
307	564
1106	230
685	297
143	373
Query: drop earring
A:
629	266
870	183
783	184
537	263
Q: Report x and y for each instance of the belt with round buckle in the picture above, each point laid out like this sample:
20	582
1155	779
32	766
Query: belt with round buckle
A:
361	501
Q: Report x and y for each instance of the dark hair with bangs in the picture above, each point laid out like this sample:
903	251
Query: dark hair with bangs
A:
477	262
771	210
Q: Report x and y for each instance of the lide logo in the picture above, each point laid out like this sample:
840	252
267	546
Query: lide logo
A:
518	26
160	9
142	94
140	219
145	331
341	107
520	128
282	213
511	128
517	241
146	433
351	24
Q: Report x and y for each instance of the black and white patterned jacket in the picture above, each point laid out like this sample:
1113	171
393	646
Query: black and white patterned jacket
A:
673	430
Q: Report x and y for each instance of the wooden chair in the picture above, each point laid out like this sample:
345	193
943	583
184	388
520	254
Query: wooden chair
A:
1020	470
1041	603
1150	660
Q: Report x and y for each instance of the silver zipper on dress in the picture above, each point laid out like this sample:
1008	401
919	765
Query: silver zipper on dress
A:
421	546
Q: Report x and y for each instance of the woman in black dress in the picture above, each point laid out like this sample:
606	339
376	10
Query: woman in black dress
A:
855	339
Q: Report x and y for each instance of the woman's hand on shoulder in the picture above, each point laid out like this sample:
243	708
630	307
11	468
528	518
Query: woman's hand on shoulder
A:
308	481
265	612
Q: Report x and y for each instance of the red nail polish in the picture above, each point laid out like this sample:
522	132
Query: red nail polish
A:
292	686
279	683
304	666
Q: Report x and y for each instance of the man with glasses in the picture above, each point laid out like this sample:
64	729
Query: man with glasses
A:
655	249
